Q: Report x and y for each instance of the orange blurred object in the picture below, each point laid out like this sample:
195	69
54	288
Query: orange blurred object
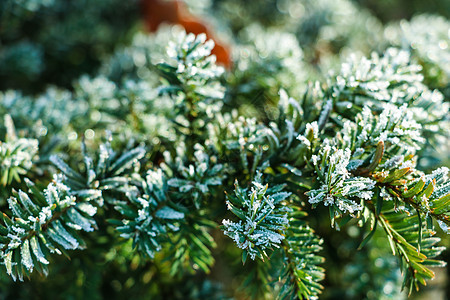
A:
156	12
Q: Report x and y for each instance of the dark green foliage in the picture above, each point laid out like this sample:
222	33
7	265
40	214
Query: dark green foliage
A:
267	180
52	41
413	243
303	272
148	218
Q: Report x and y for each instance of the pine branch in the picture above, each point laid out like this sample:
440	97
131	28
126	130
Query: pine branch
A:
191	246
148	217
192	80
198	179
42	223
302	273
366	157
413	243
392	78
427	194
111	172
16	154
263	218
338	189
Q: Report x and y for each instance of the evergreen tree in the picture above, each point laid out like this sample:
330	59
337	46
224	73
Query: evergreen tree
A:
185	180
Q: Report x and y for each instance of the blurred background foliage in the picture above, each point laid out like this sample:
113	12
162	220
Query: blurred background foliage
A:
53	42
390	10
78	59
